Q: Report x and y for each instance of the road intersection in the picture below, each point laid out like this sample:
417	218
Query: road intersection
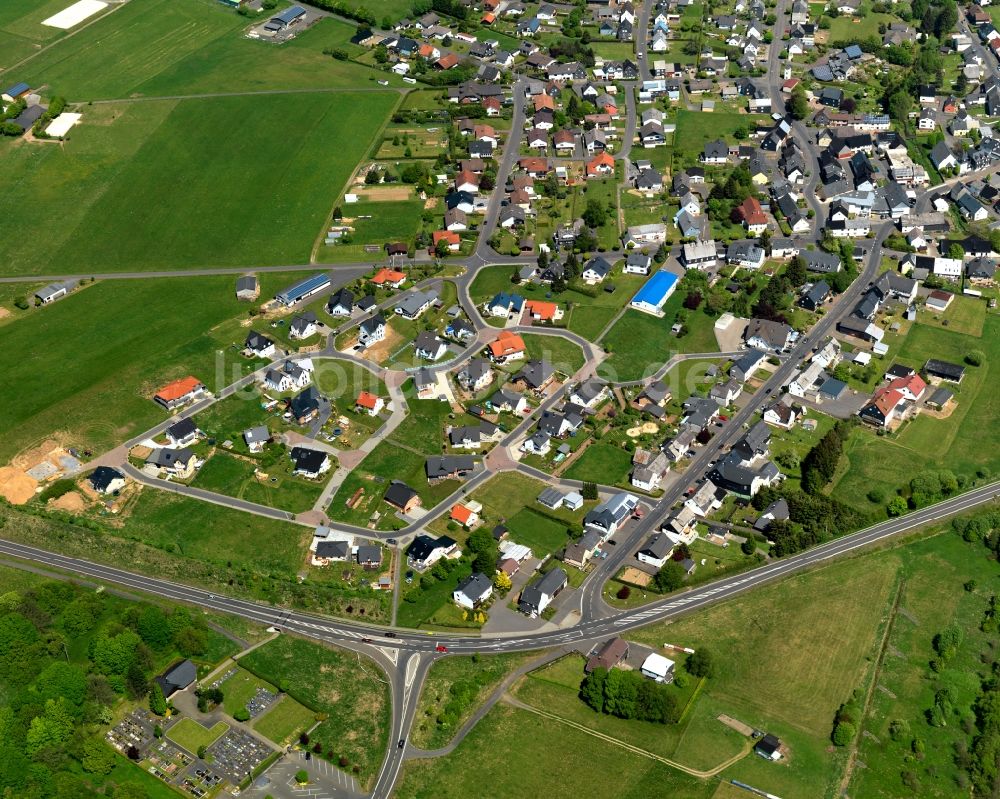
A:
407	655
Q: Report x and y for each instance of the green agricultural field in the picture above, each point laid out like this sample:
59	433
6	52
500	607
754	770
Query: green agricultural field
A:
191	735
215	534
965	442
21	31
156	48
567	766
352	693
601	463
284	720
163	184
98	395
440	715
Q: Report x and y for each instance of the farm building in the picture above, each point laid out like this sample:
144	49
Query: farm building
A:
286	18
303	289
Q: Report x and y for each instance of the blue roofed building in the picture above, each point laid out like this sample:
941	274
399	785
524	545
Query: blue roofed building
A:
654	293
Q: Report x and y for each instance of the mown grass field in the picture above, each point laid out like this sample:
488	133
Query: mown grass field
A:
191	735
21	29
966	441
153	48
104	351
695	129
165	184
284	720
551	760
640	344
601	463
563	354
353	694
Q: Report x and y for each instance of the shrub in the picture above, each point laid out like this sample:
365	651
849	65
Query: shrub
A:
301	776
844	733
624	592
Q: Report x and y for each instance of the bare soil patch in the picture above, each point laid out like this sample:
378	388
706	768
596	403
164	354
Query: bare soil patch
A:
386	194
15	486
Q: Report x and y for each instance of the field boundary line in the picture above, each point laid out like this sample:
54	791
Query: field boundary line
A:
870	693
516	703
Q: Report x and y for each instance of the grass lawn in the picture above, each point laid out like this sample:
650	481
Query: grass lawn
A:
847	28
388	220
164	184
226	420
695	128
543	534
284	721
240	689
601	463
236	477
478	674
965	315
506	494
563	354
388	461
97	395
640	344
190	735
566	764
966	441
351	693
215	534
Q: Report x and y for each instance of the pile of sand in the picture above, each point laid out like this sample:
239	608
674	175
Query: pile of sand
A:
15	486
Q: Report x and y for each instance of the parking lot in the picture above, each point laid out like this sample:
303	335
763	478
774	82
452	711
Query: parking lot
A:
325	781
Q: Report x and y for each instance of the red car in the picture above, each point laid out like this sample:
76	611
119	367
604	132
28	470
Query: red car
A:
440	648
723	418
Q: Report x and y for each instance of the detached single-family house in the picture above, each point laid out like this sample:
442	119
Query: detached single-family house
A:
473	591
